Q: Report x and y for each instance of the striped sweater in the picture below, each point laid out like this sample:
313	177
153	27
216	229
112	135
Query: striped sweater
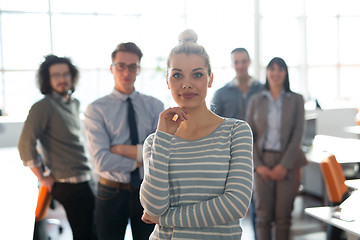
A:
199	189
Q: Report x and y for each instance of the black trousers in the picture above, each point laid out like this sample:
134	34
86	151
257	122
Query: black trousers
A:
114	208
78	201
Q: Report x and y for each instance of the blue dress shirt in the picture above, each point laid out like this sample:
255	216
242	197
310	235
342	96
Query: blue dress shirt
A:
272	137
106	125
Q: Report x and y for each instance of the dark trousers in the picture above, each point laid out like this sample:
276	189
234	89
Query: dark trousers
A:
78	201
113	209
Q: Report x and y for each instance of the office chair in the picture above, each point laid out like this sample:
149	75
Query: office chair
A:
43	204
334	179
337	191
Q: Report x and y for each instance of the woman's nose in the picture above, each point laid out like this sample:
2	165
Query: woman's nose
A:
186	83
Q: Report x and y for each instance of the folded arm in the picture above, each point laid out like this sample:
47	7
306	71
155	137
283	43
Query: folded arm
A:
99	146
229	206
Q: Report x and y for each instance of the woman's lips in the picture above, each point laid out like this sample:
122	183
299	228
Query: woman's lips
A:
187	95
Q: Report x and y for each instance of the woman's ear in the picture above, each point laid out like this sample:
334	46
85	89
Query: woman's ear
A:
211	80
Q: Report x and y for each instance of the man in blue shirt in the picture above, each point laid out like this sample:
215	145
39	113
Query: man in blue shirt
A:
110	123
231	100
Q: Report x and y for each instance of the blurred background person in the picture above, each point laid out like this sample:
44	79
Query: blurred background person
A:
232	99
276	117
116	126
55	122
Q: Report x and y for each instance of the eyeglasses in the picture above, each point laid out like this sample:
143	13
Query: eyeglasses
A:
57	76
122	66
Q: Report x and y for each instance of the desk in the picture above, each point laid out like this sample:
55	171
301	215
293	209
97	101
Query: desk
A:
18	188
346	150
354	183
325	214
349	210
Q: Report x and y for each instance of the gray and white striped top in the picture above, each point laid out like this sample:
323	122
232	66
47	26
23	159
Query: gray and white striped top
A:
201	188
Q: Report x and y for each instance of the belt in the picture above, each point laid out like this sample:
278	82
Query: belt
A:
271	151
117	185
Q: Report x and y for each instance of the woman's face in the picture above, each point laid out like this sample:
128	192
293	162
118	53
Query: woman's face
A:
276	76
188	80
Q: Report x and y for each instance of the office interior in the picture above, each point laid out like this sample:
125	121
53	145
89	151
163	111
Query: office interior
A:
317	39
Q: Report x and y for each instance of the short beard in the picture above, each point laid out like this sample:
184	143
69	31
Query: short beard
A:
63	93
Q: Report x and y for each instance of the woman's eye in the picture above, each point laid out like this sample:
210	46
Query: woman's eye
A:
198	74
176	75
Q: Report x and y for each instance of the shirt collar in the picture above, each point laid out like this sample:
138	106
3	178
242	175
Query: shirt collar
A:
123	97
235	82
266	93
60	98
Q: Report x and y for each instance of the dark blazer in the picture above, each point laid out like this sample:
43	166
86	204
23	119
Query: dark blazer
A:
292	125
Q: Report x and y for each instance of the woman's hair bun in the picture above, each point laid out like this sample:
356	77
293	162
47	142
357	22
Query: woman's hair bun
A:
187	35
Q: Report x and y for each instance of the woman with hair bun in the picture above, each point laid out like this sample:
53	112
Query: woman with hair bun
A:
198	166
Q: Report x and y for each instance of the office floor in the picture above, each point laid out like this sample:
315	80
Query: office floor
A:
303	227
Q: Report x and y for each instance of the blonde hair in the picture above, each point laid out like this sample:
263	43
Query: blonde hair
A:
188	45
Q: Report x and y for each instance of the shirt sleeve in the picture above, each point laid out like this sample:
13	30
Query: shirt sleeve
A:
158	108
231	205
139	150
154	191
98	141
35	124
32	163
216	105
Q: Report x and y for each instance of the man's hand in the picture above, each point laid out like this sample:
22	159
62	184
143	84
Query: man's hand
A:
146	218
47	181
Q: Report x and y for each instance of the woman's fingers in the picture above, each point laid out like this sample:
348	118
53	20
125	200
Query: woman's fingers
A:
146	218
171	118
175	113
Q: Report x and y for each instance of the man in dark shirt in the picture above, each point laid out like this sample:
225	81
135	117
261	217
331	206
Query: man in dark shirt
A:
54	122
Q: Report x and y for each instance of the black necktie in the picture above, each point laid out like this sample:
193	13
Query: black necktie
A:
134	175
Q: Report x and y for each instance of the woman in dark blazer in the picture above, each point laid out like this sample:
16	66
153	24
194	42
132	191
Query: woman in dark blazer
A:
276	116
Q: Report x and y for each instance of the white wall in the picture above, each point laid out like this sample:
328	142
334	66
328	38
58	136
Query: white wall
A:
332	122
9	132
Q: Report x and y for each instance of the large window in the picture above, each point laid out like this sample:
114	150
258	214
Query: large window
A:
317	39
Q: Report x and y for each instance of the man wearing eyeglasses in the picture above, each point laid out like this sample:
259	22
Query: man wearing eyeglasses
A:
54	121
116	126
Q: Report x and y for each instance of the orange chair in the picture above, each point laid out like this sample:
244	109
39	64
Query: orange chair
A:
334	179
42	207
43	203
